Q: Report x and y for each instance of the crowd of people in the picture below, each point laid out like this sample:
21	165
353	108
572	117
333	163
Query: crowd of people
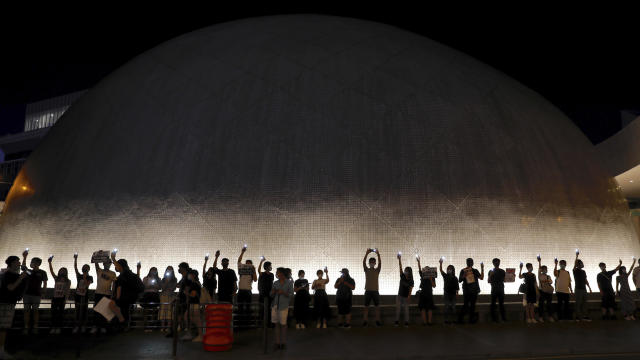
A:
164	295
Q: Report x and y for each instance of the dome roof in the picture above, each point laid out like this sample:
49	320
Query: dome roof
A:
312	138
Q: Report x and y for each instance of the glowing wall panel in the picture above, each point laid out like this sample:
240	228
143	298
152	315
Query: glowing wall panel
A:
312	138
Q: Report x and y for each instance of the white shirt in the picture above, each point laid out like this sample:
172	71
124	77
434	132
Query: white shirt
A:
563	282
245	272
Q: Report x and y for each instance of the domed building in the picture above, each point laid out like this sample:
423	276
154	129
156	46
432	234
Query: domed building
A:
310	139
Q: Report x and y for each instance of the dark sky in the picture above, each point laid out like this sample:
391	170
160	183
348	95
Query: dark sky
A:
585	61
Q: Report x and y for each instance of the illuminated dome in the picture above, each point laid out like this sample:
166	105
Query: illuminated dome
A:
312	138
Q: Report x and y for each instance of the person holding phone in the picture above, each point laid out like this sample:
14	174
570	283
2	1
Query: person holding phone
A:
345	286
36	283
81	298
59	300
371	294
320	299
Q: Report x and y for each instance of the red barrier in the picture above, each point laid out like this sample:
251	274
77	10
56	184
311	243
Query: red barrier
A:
219	333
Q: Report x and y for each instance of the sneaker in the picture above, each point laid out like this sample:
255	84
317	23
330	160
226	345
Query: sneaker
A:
297	326
541	320
318	325
75	330
324	326
347	326
534	321
378	324
551	319
364	324
186	337
83	330
396	324
406	324
93	330
197	339
302	326
103	330
528	321
586	319
52	331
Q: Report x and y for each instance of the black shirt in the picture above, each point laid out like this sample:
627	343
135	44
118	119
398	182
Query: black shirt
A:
604	281
425	284
193	286
128	283
496	279
7	296
450	284
210	284
466	285
344	292
530	282
265	282
580	277
34	282
303	284
226	281
405	285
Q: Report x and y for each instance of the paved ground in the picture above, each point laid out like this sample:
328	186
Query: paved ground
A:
565	340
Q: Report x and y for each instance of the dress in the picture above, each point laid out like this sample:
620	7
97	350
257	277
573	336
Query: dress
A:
626	299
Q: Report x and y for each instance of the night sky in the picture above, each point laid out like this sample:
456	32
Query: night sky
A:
583	61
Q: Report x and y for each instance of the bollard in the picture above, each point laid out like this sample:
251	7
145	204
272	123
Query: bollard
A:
174	326
264	323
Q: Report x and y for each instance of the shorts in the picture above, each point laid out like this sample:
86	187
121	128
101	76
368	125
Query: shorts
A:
371	295
279	316
531	298
6	315
31	301
608	301
344	306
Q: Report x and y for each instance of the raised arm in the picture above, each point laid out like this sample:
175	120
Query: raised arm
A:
25	253
364	259
53	274
441	271
75	264
400	262
241	255
555	267
419	266
326	272
520	276
215	260
260	265
619	265
575	262
138	267
539	265
204	267
481	271
379	259
633	265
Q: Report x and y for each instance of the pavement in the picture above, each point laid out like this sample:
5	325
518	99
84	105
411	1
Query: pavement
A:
512	340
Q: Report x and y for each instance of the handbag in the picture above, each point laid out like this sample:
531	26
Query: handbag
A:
522	288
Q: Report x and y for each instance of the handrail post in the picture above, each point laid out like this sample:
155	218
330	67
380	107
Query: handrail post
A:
174	327
264	323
